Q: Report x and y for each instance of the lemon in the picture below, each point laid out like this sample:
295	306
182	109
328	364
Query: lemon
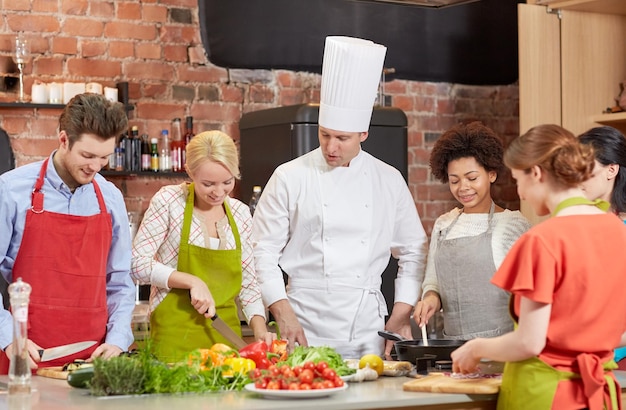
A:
372	361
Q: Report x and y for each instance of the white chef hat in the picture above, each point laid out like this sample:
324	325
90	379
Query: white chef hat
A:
350	76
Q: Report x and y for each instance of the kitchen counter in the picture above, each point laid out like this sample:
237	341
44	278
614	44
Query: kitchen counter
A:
384	393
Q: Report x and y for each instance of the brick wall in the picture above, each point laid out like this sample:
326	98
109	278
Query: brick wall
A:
156	47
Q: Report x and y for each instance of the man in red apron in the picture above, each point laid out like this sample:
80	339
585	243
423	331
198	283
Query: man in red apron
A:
69	238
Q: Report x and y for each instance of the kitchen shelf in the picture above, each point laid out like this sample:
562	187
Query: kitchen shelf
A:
159	174
37	105
615	120
592	6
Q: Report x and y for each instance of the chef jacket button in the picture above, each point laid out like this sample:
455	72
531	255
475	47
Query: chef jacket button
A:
367	205
362	240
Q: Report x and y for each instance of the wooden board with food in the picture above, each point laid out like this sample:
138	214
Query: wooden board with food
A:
451	383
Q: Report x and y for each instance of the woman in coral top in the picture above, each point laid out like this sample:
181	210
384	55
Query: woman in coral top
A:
560	273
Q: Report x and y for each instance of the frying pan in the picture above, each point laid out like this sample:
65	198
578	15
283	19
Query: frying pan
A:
411	350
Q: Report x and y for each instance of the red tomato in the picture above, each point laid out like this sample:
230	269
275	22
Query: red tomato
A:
294	386
328	384
309	365
306	376
273	385
284	384
329	374
317	385
274	371
256	374
260	384
289	374
338	382
297	370
320	366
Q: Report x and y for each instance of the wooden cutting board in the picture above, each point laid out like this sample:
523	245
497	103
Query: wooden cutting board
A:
443	383
53	372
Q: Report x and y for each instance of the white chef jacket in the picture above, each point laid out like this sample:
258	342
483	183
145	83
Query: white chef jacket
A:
332	230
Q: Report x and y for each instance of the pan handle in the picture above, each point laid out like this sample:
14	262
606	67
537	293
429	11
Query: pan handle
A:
391	336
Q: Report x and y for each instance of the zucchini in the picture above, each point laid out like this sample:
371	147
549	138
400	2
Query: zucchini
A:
80	377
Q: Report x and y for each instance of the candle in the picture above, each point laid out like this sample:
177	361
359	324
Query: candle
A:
72	89
110	93
95	88
55	93
39	93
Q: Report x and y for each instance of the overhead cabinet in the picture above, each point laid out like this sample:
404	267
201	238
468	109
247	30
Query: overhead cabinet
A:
572	59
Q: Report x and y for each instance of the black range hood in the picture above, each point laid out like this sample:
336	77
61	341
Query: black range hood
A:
473	43
425	3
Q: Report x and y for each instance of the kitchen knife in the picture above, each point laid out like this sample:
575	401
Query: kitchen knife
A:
64	350
227	332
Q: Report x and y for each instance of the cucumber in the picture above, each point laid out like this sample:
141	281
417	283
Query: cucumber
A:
80	377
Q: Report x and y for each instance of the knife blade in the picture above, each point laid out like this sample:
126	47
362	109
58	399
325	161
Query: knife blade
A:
227	332
64	350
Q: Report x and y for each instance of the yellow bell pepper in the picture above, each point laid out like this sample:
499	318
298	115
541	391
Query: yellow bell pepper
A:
238	365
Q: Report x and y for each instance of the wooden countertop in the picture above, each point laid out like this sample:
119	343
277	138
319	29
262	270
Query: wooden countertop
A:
385	393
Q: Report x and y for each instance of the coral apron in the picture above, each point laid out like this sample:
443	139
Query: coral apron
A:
532	383
464	270
176	327
64	258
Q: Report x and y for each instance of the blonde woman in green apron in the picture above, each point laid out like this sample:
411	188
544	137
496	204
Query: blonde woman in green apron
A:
469	242
193	248
560	273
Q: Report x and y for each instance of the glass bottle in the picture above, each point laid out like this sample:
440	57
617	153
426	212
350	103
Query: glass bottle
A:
177	146
135	147
256	195
188	136
165	159
154	155
145	153
19	368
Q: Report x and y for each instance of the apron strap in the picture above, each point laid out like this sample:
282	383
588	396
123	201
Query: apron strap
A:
444	233
184	235
595	380
579	200
37	199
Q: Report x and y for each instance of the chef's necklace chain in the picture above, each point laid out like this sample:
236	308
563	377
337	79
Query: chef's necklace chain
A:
579	200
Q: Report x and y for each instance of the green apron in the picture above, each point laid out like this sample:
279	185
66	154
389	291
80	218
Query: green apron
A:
176	327
532	383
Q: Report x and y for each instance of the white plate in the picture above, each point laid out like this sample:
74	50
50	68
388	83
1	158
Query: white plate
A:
294	394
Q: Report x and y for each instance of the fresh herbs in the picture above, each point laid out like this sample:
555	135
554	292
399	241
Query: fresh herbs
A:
143	374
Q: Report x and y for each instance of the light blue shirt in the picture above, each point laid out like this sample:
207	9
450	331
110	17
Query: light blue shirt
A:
16	187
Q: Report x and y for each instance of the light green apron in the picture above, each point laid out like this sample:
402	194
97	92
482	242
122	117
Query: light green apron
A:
176	327
532	383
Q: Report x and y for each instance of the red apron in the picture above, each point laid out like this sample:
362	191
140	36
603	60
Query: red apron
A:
64	258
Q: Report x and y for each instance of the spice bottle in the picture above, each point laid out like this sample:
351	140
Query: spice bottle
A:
165	159
154	155
145	153
177	146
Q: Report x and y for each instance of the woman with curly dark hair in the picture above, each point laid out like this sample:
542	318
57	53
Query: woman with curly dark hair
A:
469	242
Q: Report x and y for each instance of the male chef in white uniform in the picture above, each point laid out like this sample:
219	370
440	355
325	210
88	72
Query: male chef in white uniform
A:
331	218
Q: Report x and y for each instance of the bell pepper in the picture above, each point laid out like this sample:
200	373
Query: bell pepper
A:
239	365
257	352
279	348
205	357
